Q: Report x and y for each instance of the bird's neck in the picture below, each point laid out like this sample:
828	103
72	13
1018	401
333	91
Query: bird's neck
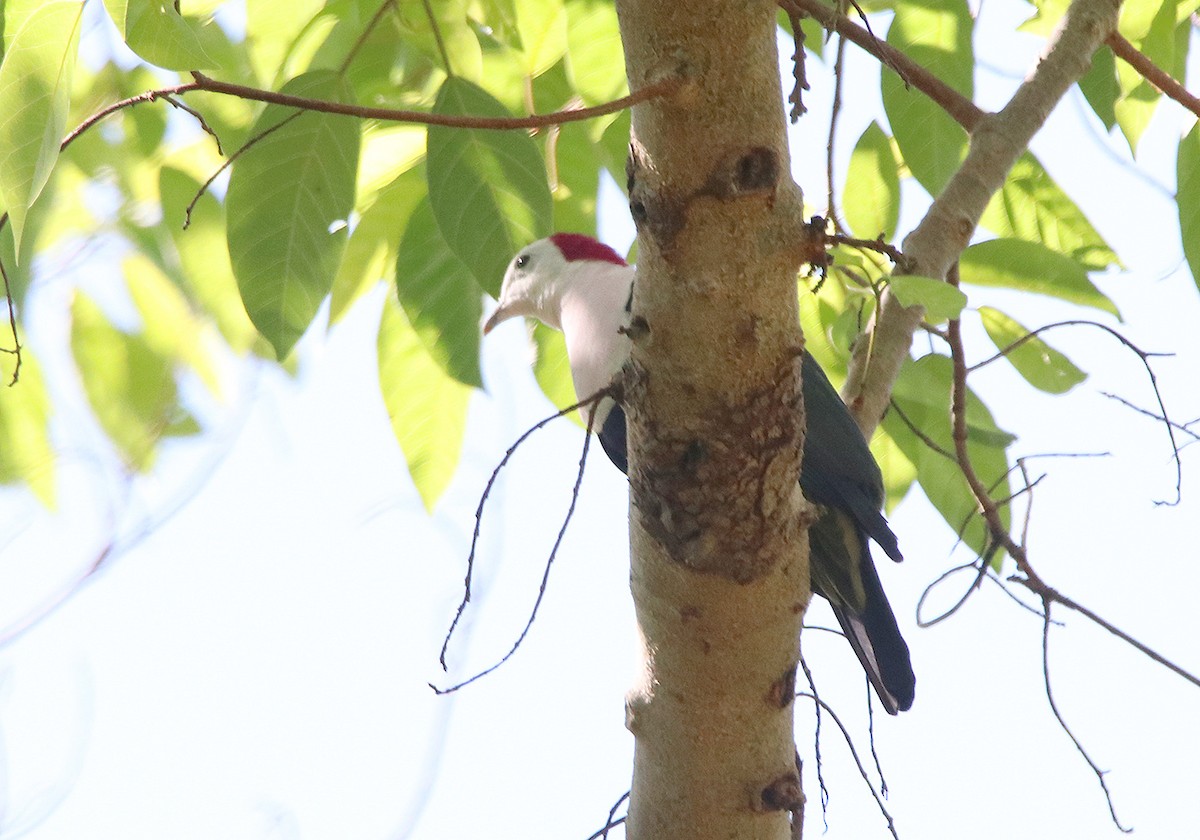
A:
591	315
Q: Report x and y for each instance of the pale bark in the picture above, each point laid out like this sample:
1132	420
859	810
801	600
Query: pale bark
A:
945	231
717	526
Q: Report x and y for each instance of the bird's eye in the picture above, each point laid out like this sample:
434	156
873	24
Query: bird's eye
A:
521	261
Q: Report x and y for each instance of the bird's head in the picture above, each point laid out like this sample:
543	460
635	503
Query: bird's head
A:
541	273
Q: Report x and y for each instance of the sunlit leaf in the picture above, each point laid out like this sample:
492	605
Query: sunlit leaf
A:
159	33
442	301
289	198
552	369
899	472
204	256
1030	267
923	394
26	454
597	58
937	35
542	25
130	387
1031	206
35	91
371	252
1187	196
427	408
941	300
169	325
1100	86
448	37
871	197
1041	365
488	188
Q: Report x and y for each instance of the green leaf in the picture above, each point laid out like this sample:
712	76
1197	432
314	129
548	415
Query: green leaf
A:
552	369
596	56
1031	206
1150	27
871	198
25	409
204	256
130	387
575	164
941	300
899	472
1187	198
169	326
937	35
442	301
923	394
371	252
158	33
1042	366
1100	86
35	98
427	408
488	188
448	37
289	198
272	27
542	25
1030	267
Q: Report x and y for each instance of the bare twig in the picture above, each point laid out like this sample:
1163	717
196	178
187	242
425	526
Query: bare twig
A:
229	161
965	112
592	400
613	820
862	771
799	67
1063	724
1144	355
12	323
366	33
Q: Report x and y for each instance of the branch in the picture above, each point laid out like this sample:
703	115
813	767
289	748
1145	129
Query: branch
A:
655	90
592	400
1152	73
996	143
965	112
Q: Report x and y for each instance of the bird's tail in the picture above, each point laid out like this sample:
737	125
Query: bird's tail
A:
880	648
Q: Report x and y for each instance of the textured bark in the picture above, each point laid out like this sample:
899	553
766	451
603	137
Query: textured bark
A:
717	521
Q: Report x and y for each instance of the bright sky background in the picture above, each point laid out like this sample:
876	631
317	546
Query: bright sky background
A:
252	660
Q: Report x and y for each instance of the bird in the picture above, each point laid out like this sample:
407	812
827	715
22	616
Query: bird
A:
584	288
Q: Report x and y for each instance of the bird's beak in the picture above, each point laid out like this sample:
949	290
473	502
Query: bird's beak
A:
501	314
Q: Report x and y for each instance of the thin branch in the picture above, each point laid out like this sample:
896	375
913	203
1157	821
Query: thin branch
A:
799	67
437	36
1186	428
366	33
997	141
592	400
961	109
12	323
1144	355
1152	73
834	111
613	821
664	88
1063	724
812	686
862	771
229	161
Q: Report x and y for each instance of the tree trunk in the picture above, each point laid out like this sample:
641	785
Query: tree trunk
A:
717	520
